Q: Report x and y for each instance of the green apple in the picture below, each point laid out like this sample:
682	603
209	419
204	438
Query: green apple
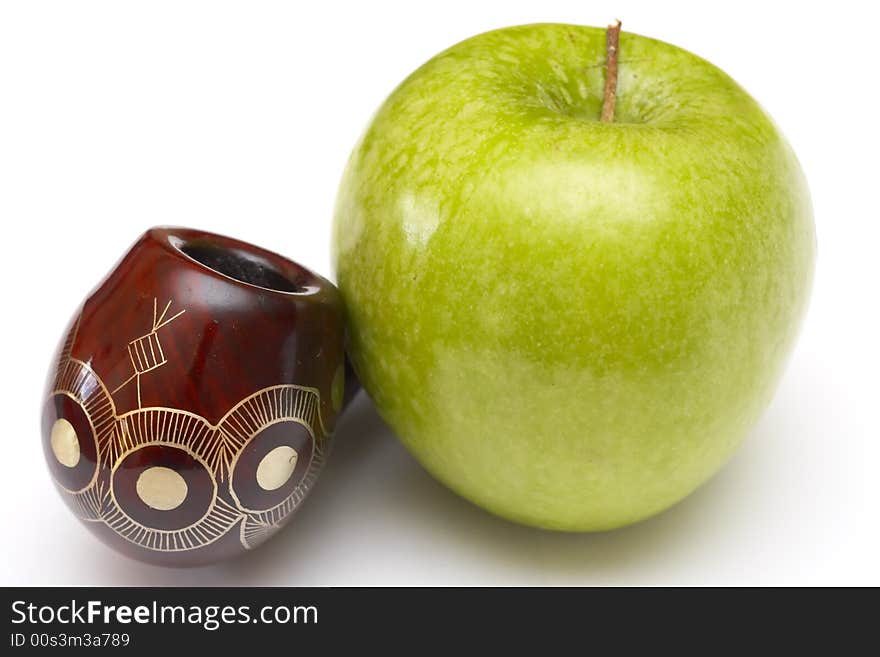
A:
572	323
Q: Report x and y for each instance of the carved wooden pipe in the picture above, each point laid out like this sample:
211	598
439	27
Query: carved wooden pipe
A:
192	402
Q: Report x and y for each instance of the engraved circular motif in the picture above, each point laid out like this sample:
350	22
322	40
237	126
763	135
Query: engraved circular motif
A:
64	443
290	434
161	488
69	442
277	467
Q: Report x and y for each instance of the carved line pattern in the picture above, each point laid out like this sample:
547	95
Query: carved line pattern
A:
67	346
216	446
76	379
219	520
89	503
269	405
183	429
258	526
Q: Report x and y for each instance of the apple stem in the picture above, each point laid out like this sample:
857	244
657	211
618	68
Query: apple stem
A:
612	42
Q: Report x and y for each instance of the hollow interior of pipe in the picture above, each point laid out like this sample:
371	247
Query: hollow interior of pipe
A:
240	265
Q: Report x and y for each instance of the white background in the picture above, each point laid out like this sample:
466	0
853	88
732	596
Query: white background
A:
238	118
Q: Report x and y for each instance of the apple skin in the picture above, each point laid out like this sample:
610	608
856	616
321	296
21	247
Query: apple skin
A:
572	323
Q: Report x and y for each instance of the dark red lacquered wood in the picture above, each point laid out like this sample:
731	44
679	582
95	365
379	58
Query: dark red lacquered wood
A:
194	396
